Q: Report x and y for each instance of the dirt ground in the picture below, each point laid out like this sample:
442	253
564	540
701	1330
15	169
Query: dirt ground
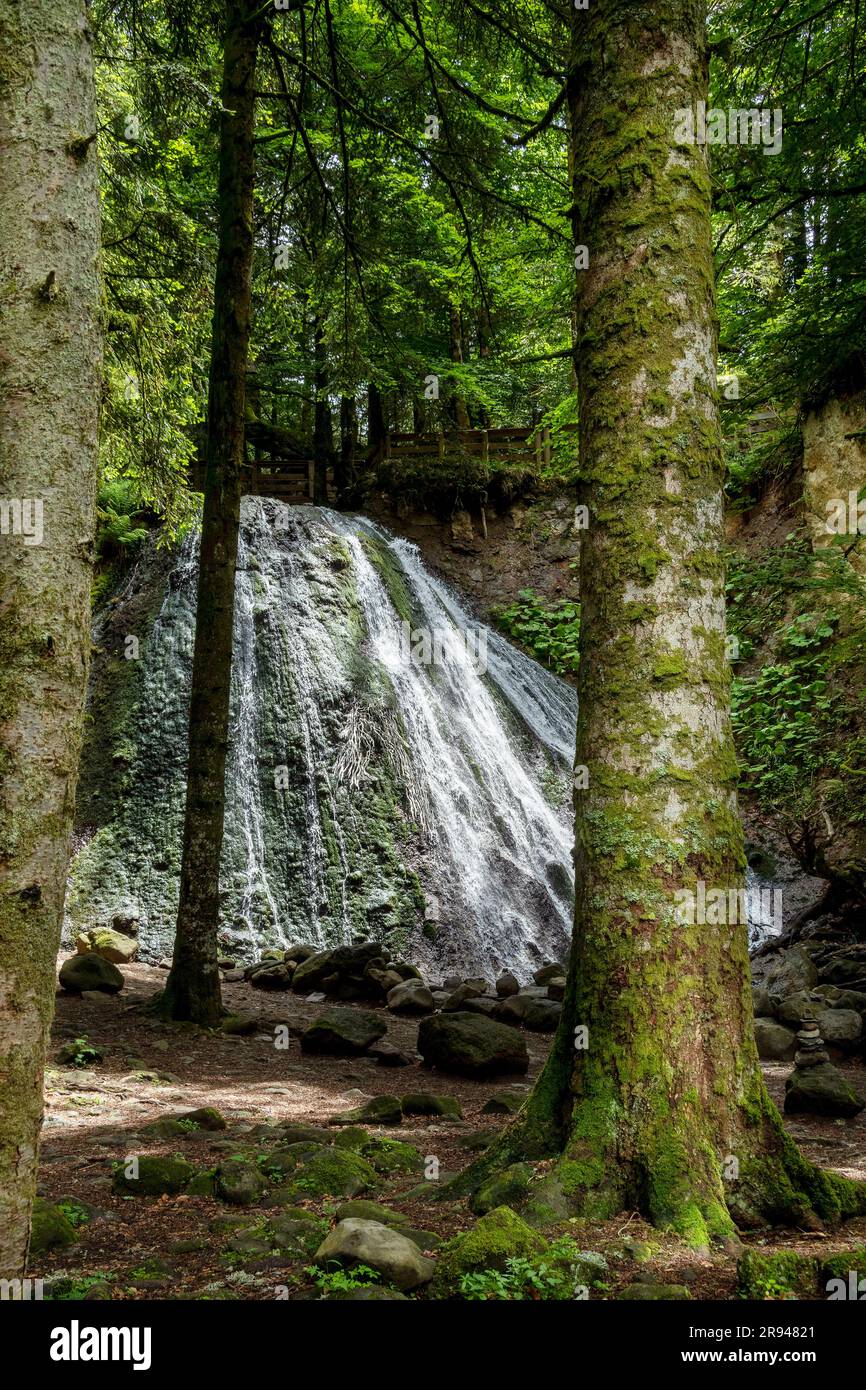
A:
164	1247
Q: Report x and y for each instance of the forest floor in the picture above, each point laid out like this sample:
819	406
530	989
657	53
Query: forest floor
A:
168	1247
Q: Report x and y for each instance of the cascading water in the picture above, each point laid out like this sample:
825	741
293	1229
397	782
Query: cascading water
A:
395	769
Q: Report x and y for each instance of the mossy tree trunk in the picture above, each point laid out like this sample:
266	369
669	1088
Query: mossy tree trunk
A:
193	989
664	1108
50	366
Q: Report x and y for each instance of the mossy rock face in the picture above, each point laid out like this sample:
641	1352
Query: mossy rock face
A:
493	1240
782	1274
506	1189
393	1156
155	1177
370	1211
239	1182
331	1173
50	1228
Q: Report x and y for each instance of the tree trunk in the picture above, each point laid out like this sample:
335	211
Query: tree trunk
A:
50	368
377	427
659	1105
323	429
458	403
346	469
192	989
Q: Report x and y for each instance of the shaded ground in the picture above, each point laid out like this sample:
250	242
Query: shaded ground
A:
164	1247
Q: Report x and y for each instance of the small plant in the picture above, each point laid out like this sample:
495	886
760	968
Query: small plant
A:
548	631
80	1053
75	1212
552	1275
342	1280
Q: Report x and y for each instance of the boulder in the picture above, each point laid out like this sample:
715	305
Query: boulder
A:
507	1188
471	1045
239	1182
50	1227
152	1176
504	1103
507	984
653	1293
842	1028
111	945
542	1015
791	972
343	1032
497	1237
90	971
821	1090
275	974
411	997
298	952
398	1259
381	1110
548	973
329	1173
387	1055
423	1103
775	1042
371	1211
470	989
556	988
310	973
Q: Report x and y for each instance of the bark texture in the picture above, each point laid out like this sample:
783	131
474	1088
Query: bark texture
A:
192	989
50	364
660	1104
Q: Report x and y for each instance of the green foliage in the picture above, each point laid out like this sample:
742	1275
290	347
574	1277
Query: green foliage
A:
117	505
551	1275
343	1280
75	1212
548	631
80	1053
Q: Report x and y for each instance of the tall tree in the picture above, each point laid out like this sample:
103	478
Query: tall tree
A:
192	989
653	1094
50	365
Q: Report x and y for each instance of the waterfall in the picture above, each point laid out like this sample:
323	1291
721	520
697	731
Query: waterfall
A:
395	769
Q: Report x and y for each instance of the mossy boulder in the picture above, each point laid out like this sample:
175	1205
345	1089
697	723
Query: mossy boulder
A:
239	1182
381	1110
153	1175
297	1134
80	973
506	1189
371	1211
237	1025
821	1090
206	1117
393	1156
492	1241
331	1173
504	1103
776	1274
471	1045
352	1137
111	945
424	1103
50	1228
